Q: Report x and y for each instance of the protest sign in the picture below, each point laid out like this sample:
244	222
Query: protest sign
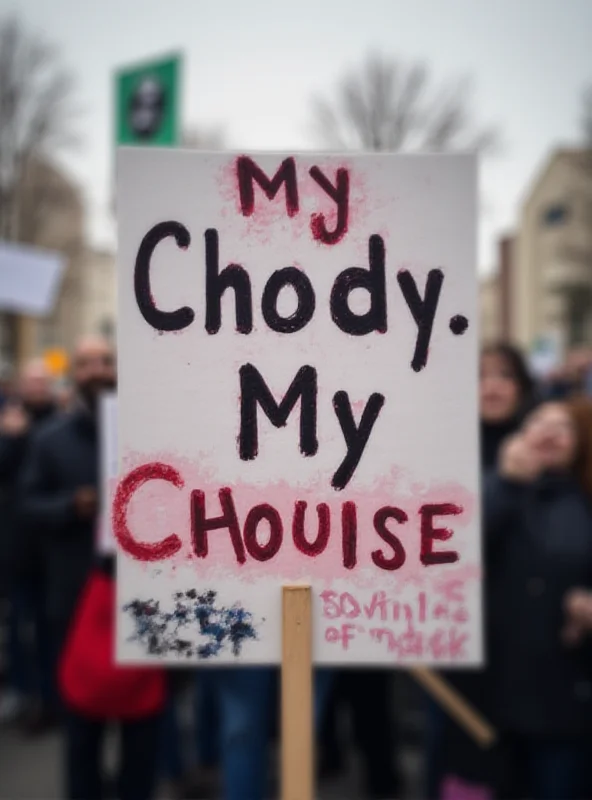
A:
30	279
147	103
297	390
108	470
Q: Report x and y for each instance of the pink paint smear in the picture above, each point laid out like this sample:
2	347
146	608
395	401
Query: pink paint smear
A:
159	509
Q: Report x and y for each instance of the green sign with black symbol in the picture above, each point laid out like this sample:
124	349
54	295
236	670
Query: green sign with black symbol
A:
148	103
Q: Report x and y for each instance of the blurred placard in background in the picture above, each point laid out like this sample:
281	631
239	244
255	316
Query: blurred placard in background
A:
147	103
29	279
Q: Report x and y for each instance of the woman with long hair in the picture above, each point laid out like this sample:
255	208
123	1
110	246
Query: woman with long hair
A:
538	526
506	394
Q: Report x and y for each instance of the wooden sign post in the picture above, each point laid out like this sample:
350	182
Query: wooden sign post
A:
297	694
461	711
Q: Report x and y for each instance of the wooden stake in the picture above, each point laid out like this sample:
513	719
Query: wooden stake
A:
297	703
456	706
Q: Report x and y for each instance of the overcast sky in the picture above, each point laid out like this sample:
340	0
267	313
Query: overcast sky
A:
252	66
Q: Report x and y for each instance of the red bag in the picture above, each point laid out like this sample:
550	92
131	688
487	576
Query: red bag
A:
90	681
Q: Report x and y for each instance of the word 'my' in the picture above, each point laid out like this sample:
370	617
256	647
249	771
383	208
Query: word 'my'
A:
249	173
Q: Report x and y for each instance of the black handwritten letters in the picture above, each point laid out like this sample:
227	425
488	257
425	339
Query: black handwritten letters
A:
235	277
254	391
254	186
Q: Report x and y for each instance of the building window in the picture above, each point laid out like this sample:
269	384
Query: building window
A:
555	214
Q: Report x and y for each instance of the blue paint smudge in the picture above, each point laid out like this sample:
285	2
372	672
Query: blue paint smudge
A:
159	631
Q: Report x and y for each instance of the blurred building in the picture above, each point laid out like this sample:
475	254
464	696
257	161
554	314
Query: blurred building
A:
489	302
542	286
550	285
495	295
86	304
51	215
99	288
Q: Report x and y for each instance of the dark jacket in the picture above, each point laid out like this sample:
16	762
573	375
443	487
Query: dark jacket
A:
539	542
475	685
492	438
17	555
458	753
62	458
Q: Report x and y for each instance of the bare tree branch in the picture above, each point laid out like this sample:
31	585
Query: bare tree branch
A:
37	120
387	105
407	94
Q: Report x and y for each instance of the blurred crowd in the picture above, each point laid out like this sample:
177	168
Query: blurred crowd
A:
57	590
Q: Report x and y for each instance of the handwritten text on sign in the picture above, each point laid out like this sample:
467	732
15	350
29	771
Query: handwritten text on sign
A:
297	399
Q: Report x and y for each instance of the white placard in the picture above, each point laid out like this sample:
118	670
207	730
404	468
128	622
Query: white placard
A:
235	473
29	279
109	470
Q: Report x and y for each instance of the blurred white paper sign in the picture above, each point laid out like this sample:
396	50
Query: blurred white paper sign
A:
29	279
108	470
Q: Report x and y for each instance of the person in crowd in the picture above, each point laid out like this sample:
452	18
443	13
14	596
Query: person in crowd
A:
6	385
578	602
182	776
538	524
59	500
578	609
506	394
207	729
244	705
572	377
366	695
59	486
29	688
183	773
98	695
64	396
172	765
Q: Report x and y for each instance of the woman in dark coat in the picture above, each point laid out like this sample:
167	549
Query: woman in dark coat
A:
28	656
538	525
506	394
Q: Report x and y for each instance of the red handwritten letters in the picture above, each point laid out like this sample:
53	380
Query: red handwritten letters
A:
246	542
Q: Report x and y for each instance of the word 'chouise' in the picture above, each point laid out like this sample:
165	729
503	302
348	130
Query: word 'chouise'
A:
246	542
